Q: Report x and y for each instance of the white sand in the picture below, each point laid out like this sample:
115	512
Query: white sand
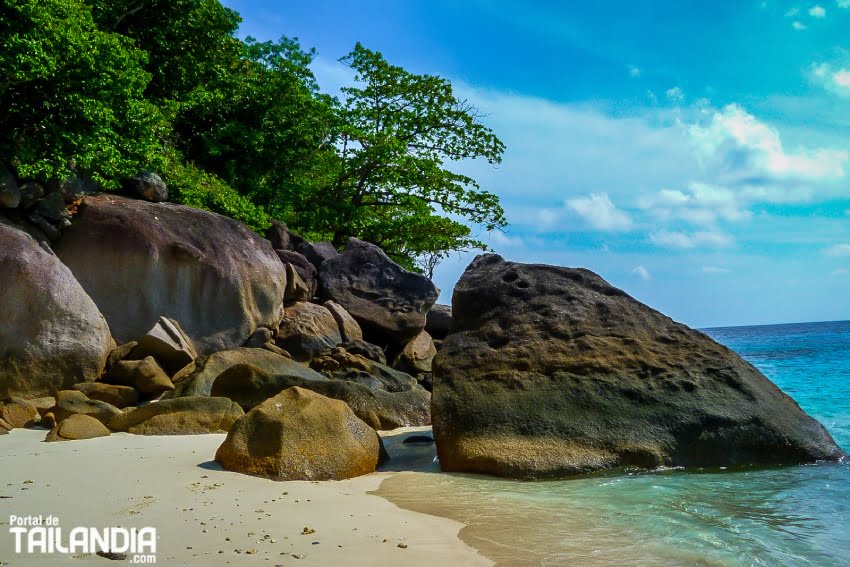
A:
172	484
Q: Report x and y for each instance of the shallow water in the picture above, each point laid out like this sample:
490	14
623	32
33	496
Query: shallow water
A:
782	516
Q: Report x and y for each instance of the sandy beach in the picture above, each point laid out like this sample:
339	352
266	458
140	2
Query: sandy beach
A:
206	516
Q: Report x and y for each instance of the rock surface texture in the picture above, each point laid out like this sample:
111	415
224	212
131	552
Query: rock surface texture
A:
51	332
388	302
77	427
183	416
552	372
250	386
140	261
300	435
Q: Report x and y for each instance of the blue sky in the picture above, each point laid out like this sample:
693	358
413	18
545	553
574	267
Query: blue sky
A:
695	154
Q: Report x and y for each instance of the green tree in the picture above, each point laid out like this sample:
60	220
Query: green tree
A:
72	96
397	134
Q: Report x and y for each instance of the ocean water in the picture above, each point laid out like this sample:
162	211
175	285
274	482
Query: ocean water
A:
784	516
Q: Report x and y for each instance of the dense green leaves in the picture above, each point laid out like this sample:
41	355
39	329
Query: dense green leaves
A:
72	95
105	88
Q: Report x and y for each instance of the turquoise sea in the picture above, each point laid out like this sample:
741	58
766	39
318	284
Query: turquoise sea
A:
788	516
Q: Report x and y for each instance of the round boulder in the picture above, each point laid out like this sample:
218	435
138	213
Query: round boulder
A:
140	261
51	332
77	427
301	435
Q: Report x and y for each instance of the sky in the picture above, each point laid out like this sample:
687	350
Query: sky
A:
695	154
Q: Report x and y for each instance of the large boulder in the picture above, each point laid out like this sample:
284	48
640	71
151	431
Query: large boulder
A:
183	416
77	427
250	386
389	302
209	368
51	332
306	330
140	261
552	371
300	435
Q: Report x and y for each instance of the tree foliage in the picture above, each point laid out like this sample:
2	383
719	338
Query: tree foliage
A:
105	88
72	96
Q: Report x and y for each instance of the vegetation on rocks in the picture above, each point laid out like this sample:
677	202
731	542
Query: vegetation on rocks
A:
100	90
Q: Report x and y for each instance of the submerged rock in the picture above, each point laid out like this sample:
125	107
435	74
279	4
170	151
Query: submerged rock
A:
140	261
300	435
552	371
51	332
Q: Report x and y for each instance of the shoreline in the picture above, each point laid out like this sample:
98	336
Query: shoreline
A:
172	484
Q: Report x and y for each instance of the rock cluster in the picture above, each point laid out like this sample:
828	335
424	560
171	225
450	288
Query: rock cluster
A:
158	319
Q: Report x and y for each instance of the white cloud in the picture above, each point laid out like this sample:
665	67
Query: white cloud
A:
833	79
737	137
700	203
838	250
797	25
792	12
675	95
547	217
634	72
642	273
674	239
714	270
817	11
843	3
841	272
499	238
599	212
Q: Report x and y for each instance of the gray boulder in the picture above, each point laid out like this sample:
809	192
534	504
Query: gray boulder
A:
51	332
140	261
551	372
389	302
148	186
